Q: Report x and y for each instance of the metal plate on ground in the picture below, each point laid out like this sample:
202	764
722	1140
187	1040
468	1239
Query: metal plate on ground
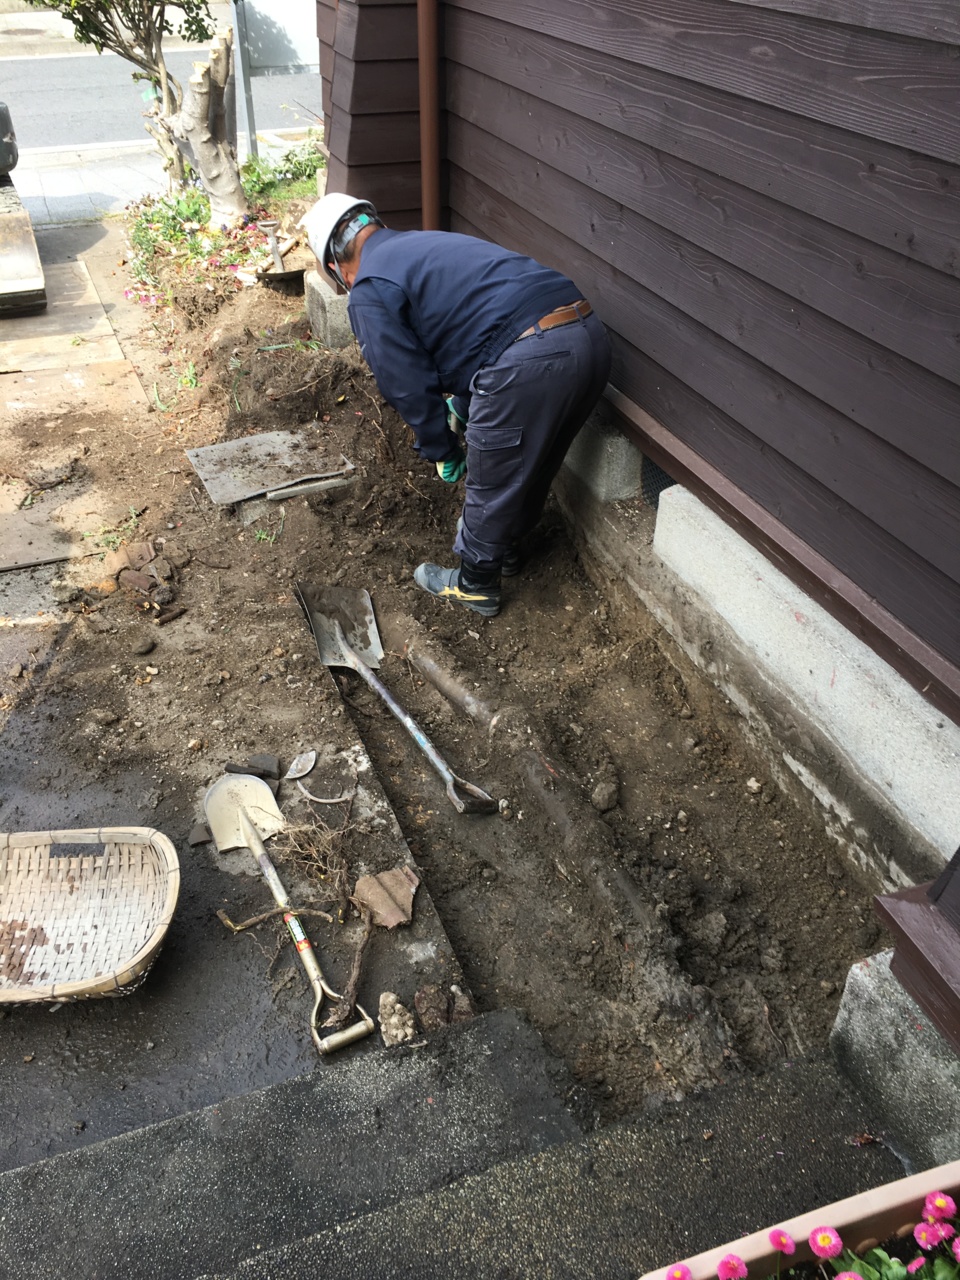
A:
253	465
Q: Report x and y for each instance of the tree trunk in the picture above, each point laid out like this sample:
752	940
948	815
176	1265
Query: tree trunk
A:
205	132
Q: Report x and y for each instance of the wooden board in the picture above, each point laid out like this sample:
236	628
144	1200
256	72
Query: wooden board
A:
374	88
902	91
384	139
906	202
929	19
892	397
375	33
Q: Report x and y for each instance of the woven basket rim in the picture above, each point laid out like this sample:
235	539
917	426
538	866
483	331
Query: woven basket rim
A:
136	965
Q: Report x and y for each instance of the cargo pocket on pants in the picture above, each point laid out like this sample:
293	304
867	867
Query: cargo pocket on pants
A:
494	457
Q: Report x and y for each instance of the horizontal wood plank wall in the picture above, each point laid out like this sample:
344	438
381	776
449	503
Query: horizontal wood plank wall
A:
372	117
762	199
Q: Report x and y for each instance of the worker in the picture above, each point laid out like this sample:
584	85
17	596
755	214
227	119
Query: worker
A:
461	333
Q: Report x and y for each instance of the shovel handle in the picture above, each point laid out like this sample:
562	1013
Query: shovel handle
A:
474	800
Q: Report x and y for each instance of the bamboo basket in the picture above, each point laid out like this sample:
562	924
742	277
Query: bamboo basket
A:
73	924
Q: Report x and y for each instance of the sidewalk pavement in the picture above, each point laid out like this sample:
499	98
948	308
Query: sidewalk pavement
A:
42	33
86	183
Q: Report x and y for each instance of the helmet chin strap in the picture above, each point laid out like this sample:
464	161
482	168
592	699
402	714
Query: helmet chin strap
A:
346	237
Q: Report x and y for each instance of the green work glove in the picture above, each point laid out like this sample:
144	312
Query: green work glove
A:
454	421
453	469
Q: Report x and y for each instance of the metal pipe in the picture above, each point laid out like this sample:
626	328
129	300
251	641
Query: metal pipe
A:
428	48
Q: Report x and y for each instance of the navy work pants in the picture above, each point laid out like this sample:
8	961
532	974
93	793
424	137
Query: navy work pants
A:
524	411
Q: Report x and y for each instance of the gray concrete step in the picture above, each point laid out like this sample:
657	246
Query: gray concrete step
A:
205	1191
637	1196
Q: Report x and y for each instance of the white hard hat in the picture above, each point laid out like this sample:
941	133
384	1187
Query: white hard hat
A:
322	220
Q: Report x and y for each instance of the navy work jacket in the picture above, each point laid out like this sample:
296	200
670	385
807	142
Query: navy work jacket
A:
430	308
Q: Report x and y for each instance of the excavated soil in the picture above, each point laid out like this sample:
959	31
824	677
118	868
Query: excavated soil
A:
674	884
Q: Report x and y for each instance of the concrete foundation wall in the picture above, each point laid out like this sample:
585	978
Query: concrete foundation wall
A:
840	727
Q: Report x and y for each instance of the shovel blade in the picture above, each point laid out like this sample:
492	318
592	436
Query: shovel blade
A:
230	797
352	608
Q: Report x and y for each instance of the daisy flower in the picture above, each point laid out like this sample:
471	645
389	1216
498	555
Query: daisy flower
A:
926	1235
731	1268
939	1205
916	1264
825	1242
782	1241
678	1272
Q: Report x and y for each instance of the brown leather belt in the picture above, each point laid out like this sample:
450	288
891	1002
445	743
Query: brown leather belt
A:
578	310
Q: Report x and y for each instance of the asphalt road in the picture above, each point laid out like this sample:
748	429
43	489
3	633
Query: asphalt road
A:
74	100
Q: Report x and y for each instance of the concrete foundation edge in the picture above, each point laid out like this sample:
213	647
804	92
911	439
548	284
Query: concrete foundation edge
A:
906	1072
843	732
326	311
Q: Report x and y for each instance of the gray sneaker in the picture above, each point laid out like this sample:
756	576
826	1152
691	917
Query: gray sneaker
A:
445	585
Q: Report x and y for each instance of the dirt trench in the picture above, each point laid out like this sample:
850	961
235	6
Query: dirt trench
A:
657	908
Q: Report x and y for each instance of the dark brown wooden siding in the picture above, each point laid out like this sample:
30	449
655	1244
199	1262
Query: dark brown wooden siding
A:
762	200
368	61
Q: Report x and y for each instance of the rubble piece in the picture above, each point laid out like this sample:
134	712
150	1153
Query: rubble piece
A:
264	765
169	615
439	1006
199	834
389	896
133	555
143	645
396	1021
606	795
134	580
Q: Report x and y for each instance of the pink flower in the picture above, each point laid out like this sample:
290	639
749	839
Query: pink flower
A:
731	1268
939	1205
849	1275
956	1247
916	1264
825	1242
782	1241
926	1235
944	1230
678	1272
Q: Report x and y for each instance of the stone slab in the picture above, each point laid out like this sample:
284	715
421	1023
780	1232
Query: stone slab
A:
205	1191
905	1070
637	1196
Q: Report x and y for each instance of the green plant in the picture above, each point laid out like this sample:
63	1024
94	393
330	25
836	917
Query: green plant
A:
111	537
265	535
292	176
189	377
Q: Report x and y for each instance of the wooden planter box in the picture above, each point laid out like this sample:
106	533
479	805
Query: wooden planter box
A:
863	1221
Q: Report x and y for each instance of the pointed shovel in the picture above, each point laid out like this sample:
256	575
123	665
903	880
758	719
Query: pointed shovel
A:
343	625
240	811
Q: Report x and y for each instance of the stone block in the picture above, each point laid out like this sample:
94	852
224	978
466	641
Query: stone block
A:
907	1074
605	460
327	312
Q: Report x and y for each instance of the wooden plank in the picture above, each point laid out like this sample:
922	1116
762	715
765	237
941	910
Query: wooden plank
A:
902	91
391	188
375	88
895	398
376	33
382	139
914	505
326	23
905	202
928	19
